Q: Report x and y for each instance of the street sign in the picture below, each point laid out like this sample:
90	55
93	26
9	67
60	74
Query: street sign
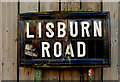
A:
64	39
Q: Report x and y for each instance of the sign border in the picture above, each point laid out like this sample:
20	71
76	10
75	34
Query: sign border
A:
66	63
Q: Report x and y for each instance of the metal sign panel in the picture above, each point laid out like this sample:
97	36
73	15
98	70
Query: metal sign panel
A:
64	39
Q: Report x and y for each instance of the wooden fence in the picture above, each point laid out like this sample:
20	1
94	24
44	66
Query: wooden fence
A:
8	41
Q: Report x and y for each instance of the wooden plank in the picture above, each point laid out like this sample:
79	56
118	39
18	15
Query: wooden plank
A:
98	74
112	72
68	5
28	7
26	73
45	74
66	74
0	41
119	40
75	74
85	76
49	6
9	43
70	74
50	74
92	6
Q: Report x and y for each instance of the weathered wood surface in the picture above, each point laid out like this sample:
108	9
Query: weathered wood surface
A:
27	73
70	6
9	43
91	6
112	72
70	74
50	74
49	6
66	74
98	73
0	41
75	74
119	41
28	7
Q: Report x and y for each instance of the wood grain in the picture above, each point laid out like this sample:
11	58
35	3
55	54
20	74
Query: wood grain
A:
75	74
27	73
112	72
98	74
91	6
70	6
66	74
9	43
119	41
0	41
50	74
28	7
49	6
